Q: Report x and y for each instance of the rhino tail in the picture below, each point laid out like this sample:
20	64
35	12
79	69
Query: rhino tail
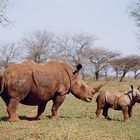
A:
2	82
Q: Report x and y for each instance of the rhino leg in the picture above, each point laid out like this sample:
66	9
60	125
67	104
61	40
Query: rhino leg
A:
99	108
125	112
100	104
98	112
105	112
57	101
40	115
11	109
130	111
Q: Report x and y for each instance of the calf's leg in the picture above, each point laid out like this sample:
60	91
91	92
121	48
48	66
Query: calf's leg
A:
100	104
125	112
105	112
99	108
98	112
130	111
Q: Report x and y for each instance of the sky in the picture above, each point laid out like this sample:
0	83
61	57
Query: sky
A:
107	20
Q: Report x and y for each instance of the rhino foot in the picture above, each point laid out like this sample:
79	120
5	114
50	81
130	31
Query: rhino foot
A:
41	117
54	118
108	118
13	119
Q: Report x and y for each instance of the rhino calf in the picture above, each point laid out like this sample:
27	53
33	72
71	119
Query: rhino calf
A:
117	101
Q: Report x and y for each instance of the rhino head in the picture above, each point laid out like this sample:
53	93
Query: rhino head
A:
134	94
80	89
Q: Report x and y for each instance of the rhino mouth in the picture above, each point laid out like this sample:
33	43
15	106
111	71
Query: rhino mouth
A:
86	99
138	101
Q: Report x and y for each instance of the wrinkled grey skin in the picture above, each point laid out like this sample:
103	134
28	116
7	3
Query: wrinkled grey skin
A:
118	101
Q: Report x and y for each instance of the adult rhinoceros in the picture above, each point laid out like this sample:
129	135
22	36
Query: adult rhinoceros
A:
35	84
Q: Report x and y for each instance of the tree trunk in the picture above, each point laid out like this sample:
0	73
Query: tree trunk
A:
123	75
117	74
136	75
106	74
97	75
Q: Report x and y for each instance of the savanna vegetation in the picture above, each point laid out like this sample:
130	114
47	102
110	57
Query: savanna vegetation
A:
97	62
77	121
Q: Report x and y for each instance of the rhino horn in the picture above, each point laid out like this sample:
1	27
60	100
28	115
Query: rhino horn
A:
98	87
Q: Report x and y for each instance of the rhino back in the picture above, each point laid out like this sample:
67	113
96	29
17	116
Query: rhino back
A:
35	83
111	97
50	77
17	78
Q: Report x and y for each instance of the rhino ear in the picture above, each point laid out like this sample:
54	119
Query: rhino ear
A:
78	67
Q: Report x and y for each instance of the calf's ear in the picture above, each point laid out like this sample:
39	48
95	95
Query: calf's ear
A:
138	88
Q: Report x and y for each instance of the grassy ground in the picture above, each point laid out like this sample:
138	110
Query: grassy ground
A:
77	121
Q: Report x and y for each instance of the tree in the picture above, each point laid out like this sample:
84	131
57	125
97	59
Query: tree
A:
73	47
135	12
9	53
3	12
124	65
39	46
136	68
99	58
115	65
136	71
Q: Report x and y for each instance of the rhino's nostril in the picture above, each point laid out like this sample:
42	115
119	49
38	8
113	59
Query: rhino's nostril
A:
88	99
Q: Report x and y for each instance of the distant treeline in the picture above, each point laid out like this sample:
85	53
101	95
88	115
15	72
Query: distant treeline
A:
97	62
